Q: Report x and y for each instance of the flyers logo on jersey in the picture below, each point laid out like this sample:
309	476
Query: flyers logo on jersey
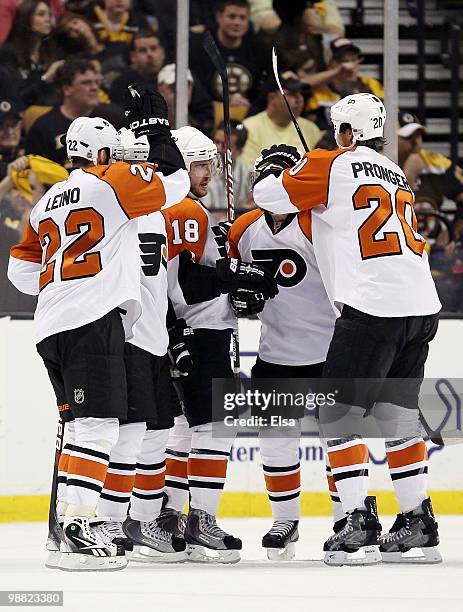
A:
288	267
153	248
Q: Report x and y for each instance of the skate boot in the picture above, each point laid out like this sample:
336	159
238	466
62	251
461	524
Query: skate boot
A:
53	544
115	534
207	542
87	547
412	531
358	531
173	521
153	544
280	540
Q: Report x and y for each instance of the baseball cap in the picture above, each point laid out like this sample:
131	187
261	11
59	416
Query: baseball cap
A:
167	75
408	124
9	107
341	44
288	79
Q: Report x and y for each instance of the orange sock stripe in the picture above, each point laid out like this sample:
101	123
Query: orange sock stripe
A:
207	467
117	482
331	484
279	484
63	462
150	482
349	456
174	467
86	467
413	454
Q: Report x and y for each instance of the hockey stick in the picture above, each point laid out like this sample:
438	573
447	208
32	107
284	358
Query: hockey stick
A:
214	54
293	117
54	529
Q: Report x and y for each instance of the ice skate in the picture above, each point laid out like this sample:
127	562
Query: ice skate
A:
52	546
280	540
415	533
357	533
87	547
207	542
173	521
153	544
115	534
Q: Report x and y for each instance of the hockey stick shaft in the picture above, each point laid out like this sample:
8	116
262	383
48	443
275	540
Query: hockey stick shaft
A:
53	526
216	58
290	111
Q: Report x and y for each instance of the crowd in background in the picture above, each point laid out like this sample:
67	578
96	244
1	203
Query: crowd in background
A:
61	59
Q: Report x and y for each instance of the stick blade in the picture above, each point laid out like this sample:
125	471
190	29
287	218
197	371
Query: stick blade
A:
275	69
213	52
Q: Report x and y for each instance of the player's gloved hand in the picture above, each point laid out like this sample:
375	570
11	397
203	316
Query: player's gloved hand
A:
146	111
246	303
246	275
274	160
220	232
179	337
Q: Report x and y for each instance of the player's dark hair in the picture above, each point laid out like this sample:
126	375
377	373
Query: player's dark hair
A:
223	5
236	128
147	34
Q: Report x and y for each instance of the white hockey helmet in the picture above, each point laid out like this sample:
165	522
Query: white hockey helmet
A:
87	135
195	146
364	112
132	148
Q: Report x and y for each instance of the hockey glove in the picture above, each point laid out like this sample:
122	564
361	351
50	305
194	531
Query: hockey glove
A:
274	160
246	276
146	111
246	303
179	336
220	232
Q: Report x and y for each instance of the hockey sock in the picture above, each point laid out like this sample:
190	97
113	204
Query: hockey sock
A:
408	465
349	459
336	506
178	447
120	478
63	465
88	463
207	468
148	491
282	473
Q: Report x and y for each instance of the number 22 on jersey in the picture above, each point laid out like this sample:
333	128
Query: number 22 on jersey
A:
390	244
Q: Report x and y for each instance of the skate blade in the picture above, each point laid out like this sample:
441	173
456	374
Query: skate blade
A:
366	555
77	562
200	554
53	559
430	555
144	554
282	554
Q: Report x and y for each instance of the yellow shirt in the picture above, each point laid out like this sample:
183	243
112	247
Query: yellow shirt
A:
263	132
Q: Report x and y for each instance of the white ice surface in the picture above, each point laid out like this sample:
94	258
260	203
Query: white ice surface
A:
253	584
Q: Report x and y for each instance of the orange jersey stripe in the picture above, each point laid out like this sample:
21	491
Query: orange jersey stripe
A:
208	467
305	223
63	462
331	484
407	456
174	467
151	482
29	249
349	456
119	482
239	227
88	468
186	224
280	484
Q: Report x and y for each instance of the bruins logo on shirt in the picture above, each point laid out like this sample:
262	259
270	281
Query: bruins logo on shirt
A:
239	78
288	267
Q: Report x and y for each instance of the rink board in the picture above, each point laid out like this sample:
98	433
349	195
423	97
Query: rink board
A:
28	424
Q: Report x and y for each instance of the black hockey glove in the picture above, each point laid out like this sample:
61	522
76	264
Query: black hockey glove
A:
274	160
146	111
220	232
179	352
246	303
246	276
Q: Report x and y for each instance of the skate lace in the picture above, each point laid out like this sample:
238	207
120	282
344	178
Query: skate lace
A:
281	528
345	530
154	531
395	536
209	524
114	529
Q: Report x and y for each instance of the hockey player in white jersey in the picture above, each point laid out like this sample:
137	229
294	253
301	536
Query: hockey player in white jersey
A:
376	273
78	253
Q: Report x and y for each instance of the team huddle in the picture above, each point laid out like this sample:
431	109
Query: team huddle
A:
139	293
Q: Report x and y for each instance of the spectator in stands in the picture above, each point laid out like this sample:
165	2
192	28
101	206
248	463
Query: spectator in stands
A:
10	134
339	80
320	17
247	57
216	197
77	37
200	109
274	125
147	57
29	52
7	13
79	85
116	22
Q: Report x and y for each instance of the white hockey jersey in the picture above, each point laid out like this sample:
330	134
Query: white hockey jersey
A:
80	249
149	331
298	323
365	237
189	227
